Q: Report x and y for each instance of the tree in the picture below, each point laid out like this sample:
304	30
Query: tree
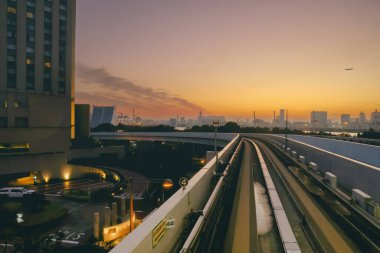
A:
230	127
106	127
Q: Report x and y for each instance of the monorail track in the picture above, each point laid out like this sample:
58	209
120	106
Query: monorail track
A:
324	233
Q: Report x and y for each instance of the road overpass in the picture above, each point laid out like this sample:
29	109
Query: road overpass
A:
189	137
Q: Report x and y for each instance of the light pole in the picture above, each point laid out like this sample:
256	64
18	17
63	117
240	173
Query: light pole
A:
131	212
286	130
215	123
166	185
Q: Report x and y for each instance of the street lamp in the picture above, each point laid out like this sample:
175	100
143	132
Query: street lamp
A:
131	212
215	123
286	130
166	185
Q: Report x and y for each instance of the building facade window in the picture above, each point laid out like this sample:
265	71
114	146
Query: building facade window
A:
21	122
62	46
30	44
11	44
12	10
48	28
20	102
3	122
3	101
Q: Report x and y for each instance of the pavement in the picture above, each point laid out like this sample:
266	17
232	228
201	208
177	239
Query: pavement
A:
77	227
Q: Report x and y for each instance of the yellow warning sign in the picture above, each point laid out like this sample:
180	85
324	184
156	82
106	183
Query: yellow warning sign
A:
158	232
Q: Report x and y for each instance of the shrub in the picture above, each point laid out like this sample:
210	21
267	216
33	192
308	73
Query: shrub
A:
7	217
34	202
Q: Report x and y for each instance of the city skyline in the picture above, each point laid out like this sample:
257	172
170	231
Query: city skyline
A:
189	126
229	58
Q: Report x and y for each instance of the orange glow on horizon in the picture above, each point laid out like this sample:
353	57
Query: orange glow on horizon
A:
267	56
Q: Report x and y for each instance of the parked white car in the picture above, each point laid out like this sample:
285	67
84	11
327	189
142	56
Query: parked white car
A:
15	192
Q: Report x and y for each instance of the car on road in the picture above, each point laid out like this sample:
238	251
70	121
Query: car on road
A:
15	192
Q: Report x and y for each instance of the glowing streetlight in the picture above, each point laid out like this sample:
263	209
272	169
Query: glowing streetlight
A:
166	185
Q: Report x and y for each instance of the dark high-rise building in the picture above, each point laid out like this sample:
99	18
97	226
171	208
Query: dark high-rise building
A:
37	52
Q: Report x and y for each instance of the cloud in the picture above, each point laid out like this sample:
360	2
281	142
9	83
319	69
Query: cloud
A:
98	86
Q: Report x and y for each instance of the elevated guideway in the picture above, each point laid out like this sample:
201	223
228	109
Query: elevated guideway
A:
189	137
241	233
152	235
361	233
368	154
217	211
319	228
354	164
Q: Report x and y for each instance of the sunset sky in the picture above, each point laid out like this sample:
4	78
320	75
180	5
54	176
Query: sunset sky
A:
169	57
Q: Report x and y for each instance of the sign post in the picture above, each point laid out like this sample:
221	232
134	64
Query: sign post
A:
183	181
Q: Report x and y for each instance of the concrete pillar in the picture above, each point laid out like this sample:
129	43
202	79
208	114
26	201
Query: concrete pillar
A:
96	226
288	150
107	214
122	209
114	213
294	154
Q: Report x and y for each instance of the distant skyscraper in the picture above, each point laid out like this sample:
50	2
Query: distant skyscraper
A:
103	115
173	122
375	120
345	120
281	118
37	40
362	119
318	119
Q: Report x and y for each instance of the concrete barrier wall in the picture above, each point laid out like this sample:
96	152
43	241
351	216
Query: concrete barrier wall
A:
362	152
350	174
177	207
